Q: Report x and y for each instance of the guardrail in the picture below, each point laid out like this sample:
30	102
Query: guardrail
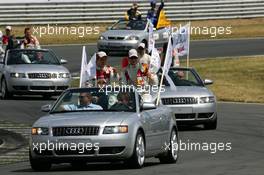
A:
103	11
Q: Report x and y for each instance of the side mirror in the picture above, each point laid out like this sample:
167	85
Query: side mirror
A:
148	106
208	82
63	61
46	108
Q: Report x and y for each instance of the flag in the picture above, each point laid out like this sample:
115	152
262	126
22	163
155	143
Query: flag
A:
151	42
155	61
88	71
167	63
181	40
163	21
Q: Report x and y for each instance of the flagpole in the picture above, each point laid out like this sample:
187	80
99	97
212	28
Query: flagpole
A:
81	76
189	40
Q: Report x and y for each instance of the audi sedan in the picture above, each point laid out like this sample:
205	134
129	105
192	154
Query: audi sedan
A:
92	124
32	71
189	98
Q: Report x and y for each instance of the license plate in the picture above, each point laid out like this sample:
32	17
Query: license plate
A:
42	83
183	110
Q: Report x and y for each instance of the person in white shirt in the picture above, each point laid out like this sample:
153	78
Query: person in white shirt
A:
85	100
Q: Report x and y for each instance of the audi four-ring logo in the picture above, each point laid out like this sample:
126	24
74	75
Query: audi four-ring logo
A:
74	131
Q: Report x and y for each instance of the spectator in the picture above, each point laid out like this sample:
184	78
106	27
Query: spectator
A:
133	13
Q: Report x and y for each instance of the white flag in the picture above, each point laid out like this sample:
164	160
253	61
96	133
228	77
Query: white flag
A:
91	68
181	40
88	71
155	61
167	64
151	42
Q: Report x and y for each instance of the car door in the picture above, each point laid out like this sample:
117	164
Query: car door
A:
151	121
164	117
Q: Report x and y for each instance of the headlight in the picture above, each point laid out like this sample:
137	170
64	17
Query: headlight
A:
102	38
210	99
64	75
115	129
133	38
18	75
40	131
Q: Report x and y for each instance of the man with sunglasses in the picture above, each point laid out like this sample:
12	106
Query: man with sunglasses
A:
85	103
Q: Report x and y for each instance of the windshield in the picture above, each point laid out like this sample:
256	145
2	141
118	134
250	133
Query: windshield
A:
183	77
31	57
130	25
95	100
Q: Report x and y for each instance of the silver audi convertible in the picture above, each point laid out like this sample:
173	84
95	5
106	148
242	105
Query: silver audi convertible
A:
92	124
125	35
32	71
191	101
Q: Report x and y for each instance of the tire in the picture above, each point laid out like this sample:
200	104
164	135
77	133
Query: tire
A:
5	94
138	158
173	153
38	165
211	125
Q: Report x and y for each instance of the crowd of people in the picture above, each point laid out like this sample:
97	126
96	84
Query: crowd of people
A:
153	13
10	41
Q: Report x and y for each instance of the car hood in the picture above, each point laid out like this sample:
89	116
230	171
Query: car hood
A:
33	68
186	91
83	119
122	33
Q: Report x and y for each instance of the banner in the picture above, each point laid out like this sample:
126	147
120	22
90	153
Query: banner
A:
181	40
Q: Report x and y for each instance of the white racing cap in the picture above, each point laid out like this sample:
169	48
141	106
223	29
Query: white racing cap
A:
132	53
142	45
101	54
8	28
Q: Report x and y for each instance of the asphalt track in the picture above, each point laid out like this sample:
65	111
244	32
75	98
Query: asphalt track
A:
198	49
239	124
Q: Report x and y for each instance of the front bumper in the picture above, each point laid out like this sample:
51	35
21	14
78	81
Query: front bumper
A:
111	148
194	113
117	45
37	86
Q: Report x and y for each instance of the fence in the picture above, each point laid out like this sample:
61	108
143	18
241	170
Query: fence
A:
103	11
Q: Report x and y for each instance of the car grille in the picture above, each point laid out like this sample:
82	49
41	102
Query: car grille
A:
116	38
42	88
40	75
205	115
185	116
75	131
179	100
